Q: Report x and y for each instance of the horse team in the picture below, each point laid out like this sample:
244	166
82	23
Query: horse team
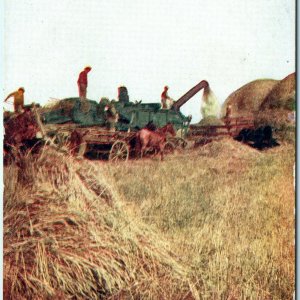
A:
150	137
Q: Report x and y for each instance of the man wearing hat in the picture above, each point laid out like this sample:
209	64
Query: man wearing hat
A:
111	116
82	82
18	99
164	98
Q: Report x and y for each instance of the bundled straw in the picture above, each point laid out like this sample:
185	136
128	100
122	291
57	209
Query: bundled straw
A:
67	236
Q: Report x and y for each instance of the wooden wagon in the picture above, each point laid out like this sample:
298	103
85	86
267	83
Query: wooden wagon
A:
201	135
95	141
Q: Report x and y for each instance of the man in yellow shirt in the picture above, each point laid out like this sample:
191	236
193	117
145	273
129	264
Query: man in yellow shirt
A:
18	99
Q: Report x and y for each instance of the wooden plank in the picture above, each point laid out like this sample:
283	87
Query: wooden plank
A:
212	127
207	130
209	135
243	126
108	137
93	142
242	118
207	127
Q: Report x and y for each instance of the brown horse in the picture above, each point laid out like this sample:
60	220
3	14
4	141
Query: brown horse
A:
156	140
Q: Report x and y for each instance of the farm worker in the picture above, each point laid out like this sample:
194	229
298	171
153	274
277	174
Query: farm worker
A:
228	111
18	99
228	115
123	94
82	82
111	116
164	97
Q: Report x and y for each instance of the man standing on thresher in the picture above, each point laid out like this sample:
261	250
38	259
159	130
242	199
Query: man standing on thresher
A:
83	82
111	116
18	99
164	98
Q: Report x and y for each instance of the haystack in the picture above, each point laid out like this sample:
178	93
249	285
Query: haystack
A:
282	95
247	99
278	108
67	236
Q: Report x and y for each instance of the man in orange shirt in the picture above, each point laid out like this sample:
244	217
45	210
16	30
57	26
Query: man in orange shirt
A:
82	82
18	99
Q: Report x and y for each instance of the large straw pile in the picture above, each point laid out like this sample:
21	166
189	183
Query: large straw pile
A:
282	95
278	108
272	102
66	236
248	98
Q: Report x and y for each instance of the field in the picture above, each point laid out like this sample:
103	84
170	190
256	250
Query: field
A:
228	210
216	222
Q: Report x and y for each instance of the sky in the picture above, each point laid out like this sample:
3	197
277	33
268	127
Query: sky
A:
145	45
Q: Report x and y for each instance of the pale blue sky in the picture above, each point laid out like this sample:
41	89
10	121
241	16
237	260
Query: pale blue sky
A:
145	45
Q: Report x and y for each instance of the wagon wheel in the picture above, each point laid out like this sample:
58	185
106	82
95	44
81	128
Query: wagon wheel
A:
119	151
169	147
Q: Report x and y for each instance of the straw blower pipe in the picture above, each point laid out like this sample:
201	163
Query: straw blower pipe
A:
188	95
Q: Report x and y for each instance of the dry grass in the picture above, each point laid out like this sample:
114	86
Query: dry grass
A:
215	222
248	98
278	107
282	95
67	236
55	104
228	211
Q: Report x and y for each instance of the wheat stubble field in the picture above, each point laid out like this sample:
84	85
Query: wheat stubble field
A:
216	222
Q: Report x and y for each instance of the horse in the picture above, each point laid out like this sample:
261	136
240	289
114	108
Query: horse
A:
168	129
146	139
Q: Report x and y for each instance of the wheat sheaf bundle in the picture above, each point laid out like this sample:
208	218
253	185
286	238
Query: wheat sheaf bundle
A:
66	236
